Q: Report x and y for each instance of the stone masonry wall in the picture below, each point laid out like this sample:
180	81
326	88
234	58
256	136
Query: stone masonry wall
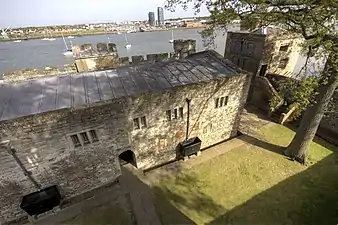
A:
44	147
158	142
43	144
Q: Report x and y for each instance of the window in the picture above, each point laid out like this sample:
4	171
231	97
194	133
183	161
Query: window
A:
168	115
175	114
140	123
216	102
136	124
75	140
143	122
84	138
93	136
284	48
222	101
283	63
181	112
263	70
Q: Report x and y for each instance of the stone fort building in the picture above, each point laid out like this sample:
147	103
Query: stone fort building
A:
72	130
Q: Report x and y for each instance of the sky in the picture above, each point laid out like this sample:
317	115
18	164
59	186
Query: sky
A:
21	13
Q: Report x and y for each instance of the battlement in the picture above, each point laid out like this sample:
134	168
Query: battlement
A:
105	55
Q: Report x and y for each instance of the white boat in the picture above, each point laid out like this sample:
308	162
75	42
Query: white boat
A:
70	37
68	51
127	46
172	37
17	41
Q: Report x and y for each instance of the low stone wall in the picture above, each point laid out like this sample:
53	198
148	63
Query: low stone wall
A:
262	92
105	56
26	74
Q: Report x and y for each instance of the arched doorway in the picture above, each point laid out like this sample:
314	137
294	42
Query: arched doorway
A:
127	157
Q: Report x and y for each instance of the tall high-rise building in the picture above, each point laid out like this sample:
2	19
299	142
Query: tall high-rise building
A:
160	16
151	18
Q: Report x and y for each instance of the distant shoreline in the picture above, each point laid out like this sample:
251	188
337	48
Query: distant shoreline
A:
79	34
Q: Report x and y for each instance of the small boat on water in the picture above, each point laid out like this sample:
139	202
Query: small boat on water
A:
68	51
127	46
17	41
70	37
172	37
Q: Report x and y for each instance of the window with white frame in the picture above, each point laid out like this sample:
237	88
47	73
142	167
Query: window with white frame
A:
221	102
84	138
175	114
140	122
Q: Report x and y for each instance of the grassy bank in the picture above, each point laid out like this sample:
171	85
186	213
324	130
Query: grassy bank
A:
79	34
256	184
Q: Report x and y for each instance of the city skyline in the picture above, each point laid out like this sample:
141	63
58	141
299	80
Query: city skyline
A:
21	13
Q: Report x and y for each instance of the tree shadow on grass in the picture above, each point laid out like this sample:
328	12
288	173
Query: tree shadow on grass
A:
262	144
310	197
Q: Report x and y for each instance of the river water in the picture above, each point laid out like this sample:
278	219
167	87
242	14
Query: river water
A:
39	54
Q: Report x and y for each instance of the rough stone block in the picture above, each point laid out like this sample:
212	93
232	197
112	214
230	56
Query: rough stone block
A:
124	60
102	48
112	47
136	59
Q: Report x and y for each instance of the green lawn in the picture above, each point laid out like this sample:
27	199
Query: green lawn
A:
255	184
109	213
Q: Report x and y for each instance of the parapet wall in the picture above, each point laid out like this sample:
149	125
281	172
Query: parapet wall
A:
105	55
32	73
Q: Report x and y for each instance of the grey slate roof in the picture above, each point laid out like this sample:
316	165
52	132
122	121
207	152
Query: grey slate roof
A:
51	93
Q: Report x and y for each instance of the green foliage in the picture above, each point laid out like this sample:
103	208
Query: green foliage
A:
314	20
300	93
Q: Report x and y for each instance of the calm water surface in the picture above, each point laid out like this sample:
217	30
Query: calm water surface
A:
39	54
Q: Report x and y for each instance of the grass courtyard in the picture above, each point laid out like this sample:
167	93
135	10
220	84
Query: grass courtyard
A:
255	184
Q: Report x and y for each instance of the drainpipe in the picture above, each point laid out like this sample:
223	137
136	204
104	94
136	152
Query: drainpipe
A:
23	168
188	117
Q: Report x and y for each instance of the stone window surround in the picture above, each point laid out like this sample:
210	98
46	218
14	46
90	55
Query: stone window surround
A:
140	122
175	114
81	135
221	101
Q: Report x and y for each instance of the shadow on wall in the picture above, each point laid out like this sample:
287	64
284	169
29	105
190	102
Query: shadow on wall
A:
150	198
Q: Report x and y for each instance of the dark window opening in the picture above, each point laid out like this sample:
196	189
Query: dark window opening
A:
175	114
284	48
226	100
136	123
85	138
75	140
93	136
263	70
181	112
283	63
221	102
127	157
143	122
168	115
216	102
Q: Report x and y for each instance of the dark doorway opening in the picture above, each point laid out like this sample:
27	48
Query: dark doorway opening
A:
263	70
127	157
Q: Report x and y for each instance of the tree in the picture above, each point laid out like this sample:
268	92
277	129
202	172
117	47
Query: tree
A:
314	20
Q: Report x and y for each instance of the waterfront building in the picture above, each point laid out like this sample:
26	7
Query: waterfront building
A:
160	16
74	132
151	18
